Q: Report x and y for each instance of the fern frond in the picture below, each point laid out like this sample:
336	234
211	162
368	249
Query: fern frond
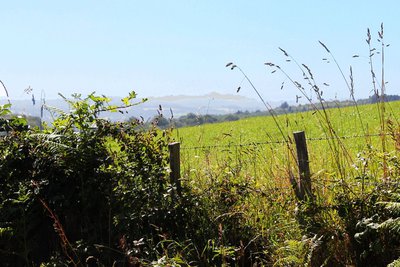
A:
54	110
392	207
395	197
314	242
392	225
52	141
44	136
395	263
298	252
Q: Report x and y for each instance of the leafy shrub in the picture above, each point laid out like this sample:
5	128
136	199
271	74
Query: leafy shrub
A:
85	188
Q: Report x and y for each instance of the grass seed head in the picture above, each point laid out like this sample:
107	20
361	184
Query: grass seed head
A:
324	46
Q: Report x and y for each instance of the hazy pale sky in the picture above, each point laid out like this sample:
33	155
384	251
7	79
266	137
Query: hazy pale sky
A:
173	47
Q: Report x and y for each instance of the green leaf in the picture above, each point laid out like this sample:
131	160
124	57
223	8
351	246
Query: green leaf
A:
126	101
112	108
5	109
132	95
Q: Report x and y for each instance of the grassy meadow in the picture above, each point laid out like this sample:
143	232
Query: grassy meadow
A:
258	145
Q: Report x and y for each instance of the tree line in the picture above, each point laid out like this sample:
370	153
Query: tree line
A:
192	119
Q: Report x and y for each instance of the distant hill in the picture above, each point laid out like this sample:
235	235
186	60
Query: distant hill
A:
213	103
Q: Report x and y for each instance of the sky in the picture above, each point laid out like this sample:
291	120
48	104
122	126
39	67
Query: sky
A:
160	48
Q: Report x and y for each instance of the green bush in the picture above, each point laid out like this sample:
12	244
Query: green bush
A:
87	188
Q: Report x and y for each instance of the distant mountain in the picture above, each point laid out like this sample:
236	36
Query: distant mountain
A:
213	103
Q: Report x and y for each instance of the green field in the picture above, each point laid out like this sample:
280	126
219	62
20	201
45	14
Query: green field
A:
263	129
258	140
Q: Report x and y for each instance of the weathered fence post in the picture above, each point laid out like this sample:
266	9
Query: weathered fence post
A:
175	165
304	185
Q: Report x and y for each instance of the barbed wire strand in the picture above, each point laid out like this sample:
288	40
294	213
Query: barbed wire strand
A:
231	145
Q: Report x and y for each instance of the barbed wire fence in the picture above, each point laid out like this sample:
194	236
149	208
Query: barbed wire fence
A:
300	183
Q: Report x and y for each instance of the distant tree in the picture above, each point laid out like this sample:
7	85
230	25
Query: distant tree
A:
191	116
231	117
284	105
161	122
190	119
209	119
387	98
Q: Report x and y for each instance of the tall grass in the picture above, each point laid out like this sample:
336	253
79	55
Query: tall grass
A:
5	91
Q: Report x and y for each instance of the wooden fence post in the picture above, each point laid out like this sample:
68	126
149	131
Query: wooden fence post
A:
174	163
304	185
